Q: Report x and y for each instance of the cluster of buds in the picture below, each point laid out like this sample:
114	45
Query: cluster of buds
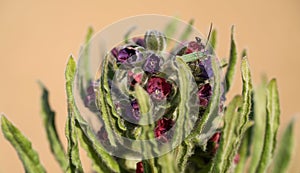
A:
146	62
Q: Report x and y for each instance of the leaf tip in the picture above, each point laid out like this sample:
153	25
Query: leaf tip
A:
244	53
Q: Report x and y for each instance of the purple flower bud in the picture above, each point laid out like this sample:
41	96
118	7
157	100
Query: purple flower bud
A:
102	134
194	46
123	54
163	125
114	52
90	98
152	64
203	73
139	167
135	109
139	41
204	94
158	88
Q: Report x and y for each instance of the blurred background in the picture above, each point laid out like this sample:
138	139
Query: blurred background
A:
37	37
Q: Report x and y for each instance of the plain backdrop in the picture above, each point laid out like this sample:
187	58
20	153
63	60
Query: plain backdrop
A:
37	37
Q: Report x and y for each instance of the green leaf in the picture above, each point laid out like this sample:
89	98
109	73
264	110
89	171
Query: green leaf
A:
210	121
92	140
22	145
272	123
86	54
259	127
87	144
103	97
246	93
229	76
49	123
170	29
244	153
192	56
128	33
143	99
167	163
226	152
213	39
73	151
84	74
150	166
285	151
187	32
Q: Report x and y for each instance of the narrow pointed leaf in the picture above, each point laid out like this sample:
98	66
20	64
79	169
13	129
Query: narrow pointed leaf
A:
97	164
224	158
285	151
49	124
22	145
73	151
272	123
128	33
229	76
188	30
246	93
213	39
244	153
259	127
170	29
109	161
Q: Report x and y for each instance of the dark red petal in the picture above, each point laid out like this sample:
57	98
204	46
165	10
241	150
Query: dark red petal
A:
139	167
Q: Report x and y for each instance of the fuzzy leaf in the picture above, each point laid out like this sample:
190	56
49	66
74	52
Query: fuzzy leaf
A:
49	123
73	151
272	123
22	145
213	39
143	99
229	76
167	163
84	73
192	56
226	152
103	96
258	129
244	153
246	93
92	139
170	29
210	120
188	30
98	165
285	151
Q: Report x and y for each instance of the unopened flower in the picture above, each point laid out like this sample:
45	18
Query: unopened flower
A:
135	109
134	78
215	139
102	134
194	46
90	97
163	125
204	94
139	167
123	54
139	41
236	158
152	64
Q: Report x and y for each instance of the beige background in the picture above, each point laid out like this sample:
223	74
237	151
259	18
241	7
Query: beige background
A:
37	37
